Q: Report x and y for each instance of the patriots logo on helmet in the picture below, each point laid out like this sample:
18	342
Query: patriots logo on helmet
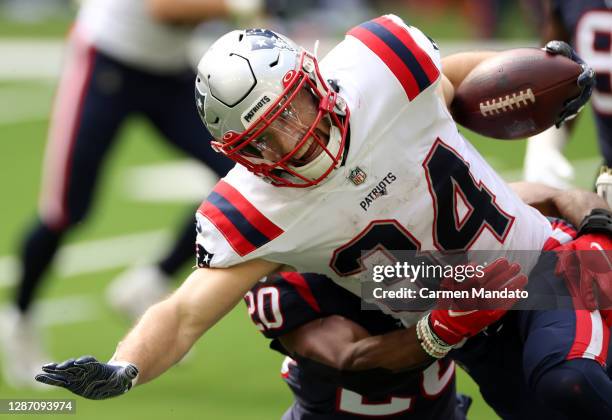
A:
266	39
200	98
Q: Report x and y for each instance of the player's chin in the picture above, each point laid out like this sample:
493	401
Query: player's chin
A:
305	154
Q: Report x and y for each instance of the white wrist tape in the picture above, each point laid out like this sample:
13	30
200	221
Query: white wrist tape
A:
431	343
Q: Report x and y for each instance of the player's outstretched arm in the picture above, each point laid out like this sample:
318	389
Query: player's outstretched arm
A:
163	335
571	205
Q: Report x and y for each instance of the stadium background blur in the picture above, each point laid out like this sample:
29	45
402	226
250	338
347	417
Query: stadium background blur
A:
231	374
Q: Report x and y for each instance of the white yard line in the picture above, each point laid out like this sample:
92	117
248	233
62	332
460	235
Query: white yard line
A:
98	255
42	58
178	181
64	310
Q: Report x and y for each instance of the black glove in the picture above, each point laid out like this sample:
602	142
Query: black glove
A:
89	378
585	81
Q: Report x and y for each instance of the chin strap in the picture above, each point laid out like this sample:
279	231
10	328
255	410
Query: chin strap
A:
321	163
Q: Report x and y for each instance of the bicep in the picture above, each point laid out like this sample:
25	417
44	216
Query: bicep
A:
209	293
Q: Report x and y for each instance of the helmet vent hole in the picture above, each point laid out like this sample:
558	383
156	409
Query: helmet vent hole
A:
216	121
240	37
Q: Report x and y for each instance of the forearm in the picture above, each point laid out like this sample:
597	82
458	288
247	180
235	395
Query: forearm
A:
574	205
168	330
344	345
395	351
571	205
157	342
339	351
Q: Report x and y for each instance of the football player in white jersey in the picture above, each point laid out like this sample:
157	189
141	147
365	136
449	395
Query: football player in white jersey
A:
337	160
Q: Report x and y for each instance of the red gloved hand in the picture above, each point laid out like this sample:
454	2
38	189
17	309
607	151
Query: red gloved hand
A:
586	266
457	319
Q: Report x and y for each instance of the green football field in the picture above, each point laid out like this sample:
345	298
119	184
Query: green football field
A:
231	374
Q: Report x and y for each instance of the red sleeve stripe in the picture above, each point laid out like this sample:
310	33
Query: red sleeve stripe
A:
421	56
412	67
242	225
254	216
301	285
233	236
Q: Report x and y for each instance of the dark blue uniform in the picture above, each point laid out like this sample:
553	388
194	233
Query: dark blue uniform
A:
287	301
535	363
96	95
589	23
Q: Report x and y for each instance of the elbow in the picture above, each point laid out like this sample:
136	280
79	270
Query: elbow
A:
167	12
159	10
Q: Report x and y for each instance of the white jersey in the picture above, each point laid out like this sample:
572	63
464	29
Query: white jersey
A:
410	180
124	30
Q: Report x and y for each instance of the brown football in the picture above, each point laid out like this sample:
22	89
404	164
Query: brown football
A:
516	93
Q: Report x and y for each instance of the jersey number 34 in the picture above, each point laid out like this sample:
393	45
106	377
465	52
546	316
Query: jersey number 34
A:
449	178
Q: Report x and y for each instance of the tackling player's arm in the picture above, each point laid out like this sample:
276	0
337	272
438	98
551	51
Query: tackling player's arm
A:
163	335
344	345
571	205
194	11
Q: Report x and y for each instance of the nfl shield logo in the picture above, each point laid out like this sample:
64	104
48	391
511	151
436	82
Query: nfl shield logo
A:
357	176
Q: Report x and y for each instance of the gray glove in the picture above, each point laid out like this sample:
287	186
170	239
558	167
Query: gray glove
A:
585	81
89	378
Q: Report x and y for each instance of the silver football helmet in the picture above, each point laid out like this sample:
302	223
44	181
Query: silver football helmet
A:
266	104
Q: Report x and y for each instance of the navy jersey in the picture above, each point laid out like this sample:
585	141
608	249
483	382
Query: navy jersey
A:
284	302
589	22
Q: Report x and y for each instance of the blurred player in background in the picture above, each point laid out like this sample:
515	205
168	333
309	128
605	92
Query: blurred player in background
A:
587	25
124	57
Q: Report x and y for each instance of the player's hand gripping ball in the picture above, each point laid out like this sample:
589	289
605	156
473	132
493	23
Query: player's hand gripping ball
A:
521	92
585	81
